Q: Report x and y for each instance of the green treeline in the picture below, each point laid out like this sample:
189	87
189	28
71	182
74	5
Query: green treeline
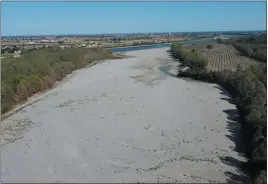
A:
248	88
193	60
254	46
37	71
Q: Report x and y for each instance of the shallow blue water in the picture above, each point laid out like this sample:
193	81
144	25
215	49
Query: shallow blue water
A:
127	49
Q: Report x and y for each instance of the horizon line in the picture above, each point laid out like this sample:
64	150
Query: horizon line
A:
81	34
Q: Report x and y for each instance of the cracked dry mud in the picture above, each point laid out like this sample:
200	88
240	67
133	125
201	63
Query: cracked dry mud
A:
127	120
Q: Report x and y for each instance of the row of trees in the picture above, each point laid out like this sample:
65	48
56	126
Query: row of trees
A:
254	47
248	88
10	49
39	70
255	53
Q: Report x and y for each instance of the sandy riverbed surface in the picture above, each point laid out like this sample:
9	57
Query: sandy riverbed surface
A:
127	120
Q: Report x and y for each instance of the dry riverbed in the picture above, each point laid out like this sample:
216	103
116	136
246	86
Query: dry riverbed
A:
125	120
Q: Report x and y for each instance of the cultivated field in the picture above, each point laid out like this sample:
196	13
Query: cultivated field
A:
223	57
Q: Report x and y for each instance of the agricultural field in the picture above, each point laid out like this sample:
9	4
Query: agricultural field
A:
222	57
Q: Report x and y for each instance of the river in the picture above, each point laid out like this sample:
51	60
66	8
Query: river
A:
124	120
154	46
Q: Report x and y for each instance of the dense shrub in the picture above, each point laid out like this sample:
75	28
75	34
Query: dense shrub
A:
193	60
261	178
254	47
38	70
209	46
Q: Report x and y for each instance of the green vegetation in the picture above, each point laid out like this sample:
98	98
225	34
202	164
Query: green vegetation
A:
209	46
254	47
61	42
248	88
37	71
189	59
223	57
9	49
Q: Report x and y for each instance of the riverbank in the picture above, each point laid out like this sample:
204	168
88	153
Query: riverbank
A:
186	41
146	45
38	71
127	120
243	85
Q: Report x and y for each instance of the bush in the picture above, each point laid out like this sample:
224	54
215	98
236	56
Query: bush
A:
209	46
193	60
38	70
254	47
261	178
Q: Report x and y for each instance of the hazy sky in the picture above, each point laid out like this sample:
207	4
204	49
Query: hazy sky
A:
48	18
